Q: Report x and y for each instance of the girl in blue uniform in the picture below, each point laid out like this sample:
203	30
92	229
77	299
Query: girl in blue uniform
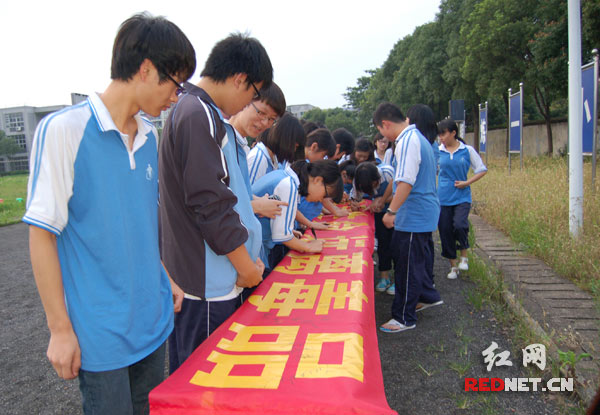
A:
314	181
454	192
384	154
373	181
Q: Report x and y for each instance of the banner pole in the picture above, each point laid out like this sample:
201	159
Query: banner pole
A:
521	123
508	126
595	138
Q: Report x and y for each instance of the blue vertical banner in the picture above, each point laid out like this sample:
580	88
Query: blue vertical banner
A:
589	86
483	128
516	121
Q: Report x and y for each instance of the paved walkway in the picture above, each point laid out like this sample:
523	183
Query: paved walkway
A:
555	307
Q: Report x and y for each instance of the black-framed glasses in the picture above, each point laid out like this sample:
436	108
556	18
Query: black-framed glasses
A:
256	92
263	116
180	88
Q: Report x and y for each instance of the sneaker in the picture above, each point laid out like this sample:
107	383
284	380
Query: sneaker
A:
382	285
395	327
453	273
464	264
391	289
423	306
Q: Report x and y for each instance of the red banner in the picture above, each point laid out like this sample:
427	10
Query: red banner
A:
304	343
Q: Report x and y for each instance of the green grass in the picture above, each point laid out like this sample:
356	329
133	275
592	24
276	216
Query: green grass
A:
532	208
12	188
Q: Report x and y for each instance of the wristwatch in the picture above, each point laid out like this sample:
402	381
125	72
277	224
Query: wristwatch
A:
391	212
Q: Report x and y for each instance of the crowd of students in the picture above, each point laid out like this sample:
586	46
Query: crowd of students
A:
120	276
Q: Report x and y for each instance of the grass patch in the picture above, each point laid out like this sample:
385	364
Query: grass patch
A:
11	189
532	208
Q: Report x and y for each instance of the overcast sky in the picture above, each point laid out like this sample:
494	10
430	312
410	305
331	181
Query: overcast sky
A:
317	48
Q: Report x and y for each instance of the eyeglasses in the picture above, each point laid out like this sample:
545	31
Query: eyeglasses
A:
180	88
262	115
256	93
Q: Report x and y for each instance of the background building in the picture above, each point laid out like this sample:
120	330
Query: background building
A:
299	110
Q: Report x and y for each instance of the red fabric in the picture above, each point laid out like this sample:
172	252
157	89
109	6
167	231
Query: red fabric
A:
288	350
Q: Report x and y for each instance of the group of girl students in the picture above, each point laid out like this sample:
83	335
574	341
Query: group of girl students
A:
273	172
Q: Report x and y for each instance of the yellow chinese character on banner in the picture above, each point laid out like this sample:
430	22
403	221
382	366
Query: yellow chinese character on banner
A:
243	342
220	377
307	265
286	297
345	226
352	357
356	214
343	243
356	296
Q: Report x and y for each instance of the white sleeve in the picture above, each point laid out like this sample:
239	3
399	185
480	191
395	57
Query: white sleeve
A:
51	177
386	172
283	225
257	164
476	162
408	159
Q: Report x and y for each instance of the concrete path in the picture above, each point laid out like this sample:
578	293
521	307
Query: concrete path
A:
555	307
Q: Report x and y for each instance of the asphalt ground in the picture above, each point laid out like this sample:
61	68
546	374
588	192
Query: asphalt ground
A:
423	369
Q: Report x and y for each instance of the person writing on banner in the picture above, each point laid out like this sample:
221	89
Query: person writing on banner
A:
413	213
210	239
455	194
375	181
92	207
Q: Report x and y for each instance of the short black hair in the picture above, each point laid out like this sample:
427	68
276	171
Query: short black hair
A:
283	137
273	96
364	176
363	144
345	139
144	36
239	53
389	112
348	166
327	169
422	117
324	140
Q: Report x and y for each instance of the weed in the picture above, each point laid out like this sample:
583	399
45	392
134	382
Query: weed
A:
460	368
569	360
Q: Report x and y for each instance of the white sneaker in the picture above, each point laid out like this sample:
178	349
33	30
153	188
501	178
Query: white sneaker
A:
463	264
453	273
391	289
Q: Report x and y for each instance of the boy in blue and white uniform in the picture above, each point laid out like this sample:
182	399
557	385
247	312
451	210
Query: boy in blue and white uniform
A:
413	213
92	207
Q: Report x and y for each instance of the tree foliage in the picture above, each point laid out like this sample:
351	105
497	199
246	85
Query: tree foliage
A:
8	145
334	118
475	50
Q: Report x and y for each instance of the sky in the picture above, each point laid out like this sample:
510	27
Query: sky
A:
317	48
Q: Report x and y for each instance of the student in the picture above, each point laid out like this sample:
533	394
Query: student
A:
344	144
455	194
413	213
347	170
363	151
313	181
373	180
92	198
319	144
210	237
384	154
278	148
423	118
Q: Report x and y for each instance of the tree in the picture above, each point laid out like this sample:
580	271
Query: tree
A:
334	118
8	145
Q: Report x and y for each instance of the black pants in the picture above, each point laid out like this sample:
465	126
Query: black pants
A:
454	229
194	323
410	274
